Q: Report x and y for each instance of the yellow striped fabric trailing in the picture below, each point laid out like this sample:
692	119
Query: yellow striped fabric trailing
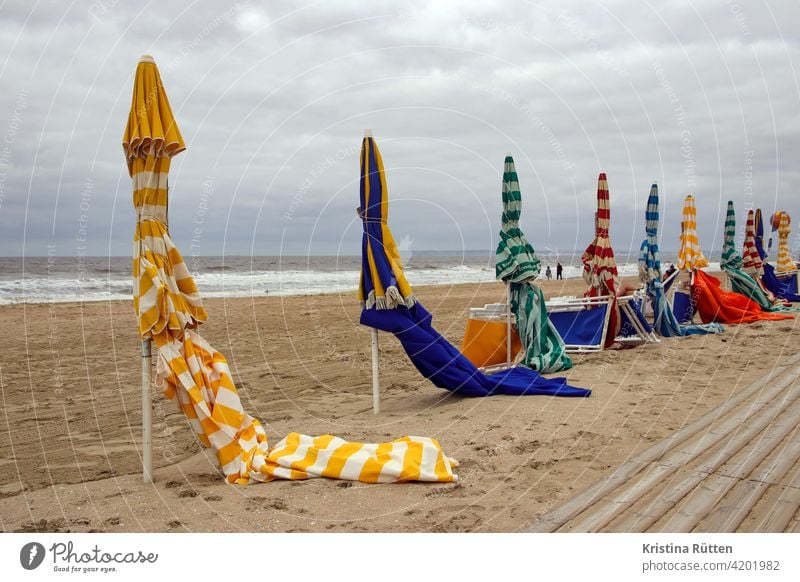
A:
196	376
785	263
689	255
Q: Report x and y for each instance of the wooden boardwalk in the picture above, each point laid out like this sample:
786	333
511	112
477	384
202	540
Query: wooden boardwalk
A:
735	469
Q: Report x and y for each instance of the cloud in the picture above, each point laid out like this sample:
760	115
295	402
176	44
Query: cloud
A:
272	102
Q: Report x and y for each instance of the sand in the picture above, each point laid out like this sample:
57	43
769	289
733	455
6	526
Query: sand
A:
70	427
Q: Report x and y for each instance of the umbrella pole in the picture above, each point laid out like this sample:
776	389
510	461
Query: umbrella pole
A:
376	380
508	325
147	413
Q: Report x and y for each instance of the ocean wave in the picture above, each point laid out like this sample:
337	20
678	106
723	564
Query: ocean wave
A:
230	283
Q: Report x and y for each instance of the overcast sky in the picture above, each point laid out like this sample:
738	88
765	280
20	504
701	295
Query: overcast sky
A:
702	96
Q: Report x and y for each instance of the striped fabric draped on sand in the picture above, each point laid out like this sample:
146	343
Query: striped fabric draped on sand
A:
664	321
196	376
599	264
383	283
785	263
689	255
516	263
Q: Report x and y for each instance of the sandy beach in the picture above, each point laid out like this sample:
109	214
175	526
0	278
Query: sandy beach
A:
70	431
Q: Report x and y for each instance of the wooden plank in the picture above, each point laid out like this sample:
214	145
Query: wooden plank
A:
780	505
744	433
729	513
697	505
771	383
774	472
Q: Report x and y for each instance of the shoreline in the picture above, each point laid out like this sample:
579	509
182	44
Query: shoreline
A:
301	363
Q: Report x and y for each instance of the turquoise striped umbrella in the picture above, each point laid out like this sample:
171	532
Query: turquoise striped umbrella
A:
518	265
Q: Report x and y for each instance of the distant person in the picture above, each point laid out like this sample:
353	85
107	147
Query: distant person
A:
559	272
668	272
548	273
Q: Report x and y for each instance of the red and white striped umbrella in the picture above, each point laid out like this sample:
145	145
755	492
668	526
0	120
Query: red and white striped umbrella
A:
599	264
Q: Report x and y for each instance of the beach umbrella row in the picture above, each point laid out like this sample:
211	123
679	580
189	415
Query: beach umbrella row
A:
742	282
433	356
665	322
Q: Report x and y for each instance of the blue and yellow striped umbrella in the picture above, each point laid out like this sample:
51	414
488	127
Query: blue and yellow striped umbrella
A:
383	283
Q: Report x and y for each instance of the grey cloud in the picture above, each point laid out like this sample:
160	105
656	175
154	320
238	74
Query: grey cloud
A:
272	100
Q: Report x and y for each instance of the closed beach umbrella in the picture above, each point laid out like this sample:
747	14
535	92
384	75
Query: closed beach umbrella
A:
516	263
664	321
730	258
599	264
165	297
751	258
193	373
689	255
758	234
383	283
649	260
785	262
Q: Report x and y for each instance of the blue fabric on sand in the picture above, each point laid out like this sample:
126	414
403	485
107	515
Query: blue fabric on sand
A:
443	364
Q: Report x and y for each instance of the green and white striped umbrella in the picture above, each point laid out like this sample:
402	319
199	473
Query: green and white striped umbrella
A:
518	265
515	258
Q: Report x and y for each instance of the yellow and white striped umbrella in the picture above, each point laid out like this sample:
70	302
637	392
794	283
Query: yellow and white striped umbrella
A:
689	255
785	263
165	296
196	376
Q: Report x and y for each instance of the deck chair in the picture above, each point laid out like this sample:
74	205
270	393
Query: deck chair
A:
679	299
635	327
583	321
491	341
789	281
784	285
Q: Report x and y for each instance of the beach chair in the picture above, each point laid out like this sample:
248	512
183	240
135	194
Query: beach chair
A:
679	298
491	341
583	321
635	328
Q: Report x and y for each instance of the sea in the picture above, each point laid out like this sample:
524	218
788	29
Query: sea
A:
81	279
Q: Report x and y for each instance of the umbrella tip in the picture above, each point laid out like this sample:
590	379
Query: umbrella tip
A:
147	59
368	133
